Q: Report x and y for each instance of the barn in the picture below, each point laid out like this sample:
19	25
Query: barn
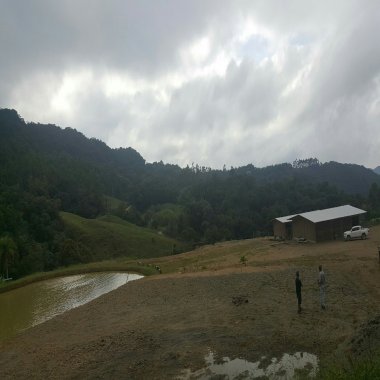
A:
319	225
282	227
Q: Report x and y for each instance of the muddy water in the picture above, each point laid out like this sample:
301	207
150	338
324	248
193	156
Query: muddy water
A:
285	368
36	303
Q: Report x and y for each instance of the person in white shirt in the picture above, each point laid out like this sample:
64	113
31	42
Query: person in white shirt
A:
322	287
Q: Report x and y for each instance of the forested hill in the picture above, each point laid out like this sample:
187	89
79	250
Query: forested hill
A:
45	169
350	178
377	170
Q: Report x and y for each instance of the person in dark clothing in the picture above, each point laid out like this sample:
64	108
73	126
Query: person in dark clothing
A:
298	291
322	287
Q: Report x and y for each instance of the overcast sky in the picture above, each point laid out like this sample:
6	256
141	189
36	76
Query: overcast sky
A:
210	82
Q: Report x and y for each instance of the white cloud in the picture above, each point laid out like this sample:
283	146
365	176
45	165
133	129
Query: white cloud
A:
213	82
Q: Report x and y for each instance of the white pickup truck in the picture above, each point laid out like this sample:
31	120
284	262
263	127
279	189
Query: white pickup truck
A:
356	232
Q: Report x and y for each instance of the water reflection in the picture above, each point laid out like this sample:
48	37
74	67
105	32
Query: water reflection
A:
34	304
283	369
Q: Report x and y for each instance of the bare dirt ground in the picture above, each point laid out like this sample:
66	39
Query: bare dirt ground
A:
158	326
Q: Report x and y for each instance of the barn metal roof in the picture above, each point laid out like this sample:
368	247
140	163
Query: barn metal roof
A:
285	219
326	214
332	213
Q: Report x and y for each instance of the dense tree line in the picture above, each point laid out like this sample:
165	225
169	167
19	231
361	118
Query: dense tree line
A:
45	169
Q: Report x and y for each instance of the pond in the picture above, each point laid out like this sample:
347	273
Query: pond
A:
36	303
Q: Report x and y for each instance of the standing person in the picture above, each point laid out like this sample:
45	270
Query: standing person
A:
322	286
298	291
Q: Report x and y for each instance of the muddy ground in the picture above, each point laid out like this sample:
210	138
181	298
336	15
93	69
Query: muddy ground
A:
156	327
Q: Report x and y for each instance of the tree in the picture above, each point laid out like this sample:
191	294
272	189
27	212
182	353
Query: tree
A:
374	200
7	252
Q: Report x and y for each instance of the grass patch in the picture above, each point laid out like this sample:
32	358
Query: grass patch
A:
359	369
110	237
217	256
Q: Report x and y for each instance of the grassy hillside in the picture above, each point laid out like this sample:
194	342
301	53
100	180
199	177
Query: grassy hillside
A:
110	237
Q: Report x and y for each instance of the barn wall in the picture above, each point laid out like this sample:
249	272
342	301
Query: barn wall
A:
279	229
333	229
289	231
303	228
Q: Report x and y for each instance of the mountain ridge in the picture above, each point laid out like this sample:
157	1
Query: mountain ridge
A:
72	143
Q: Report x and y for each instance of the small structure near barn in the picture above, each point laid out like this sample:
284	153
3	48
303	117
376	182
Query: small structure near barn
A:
319	225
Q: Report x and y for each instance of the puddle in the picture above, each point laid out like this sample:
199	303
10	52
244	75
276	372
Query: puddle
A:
283	369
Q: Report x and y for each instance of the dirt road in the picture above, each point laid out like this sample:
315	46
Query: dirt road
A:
156	327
